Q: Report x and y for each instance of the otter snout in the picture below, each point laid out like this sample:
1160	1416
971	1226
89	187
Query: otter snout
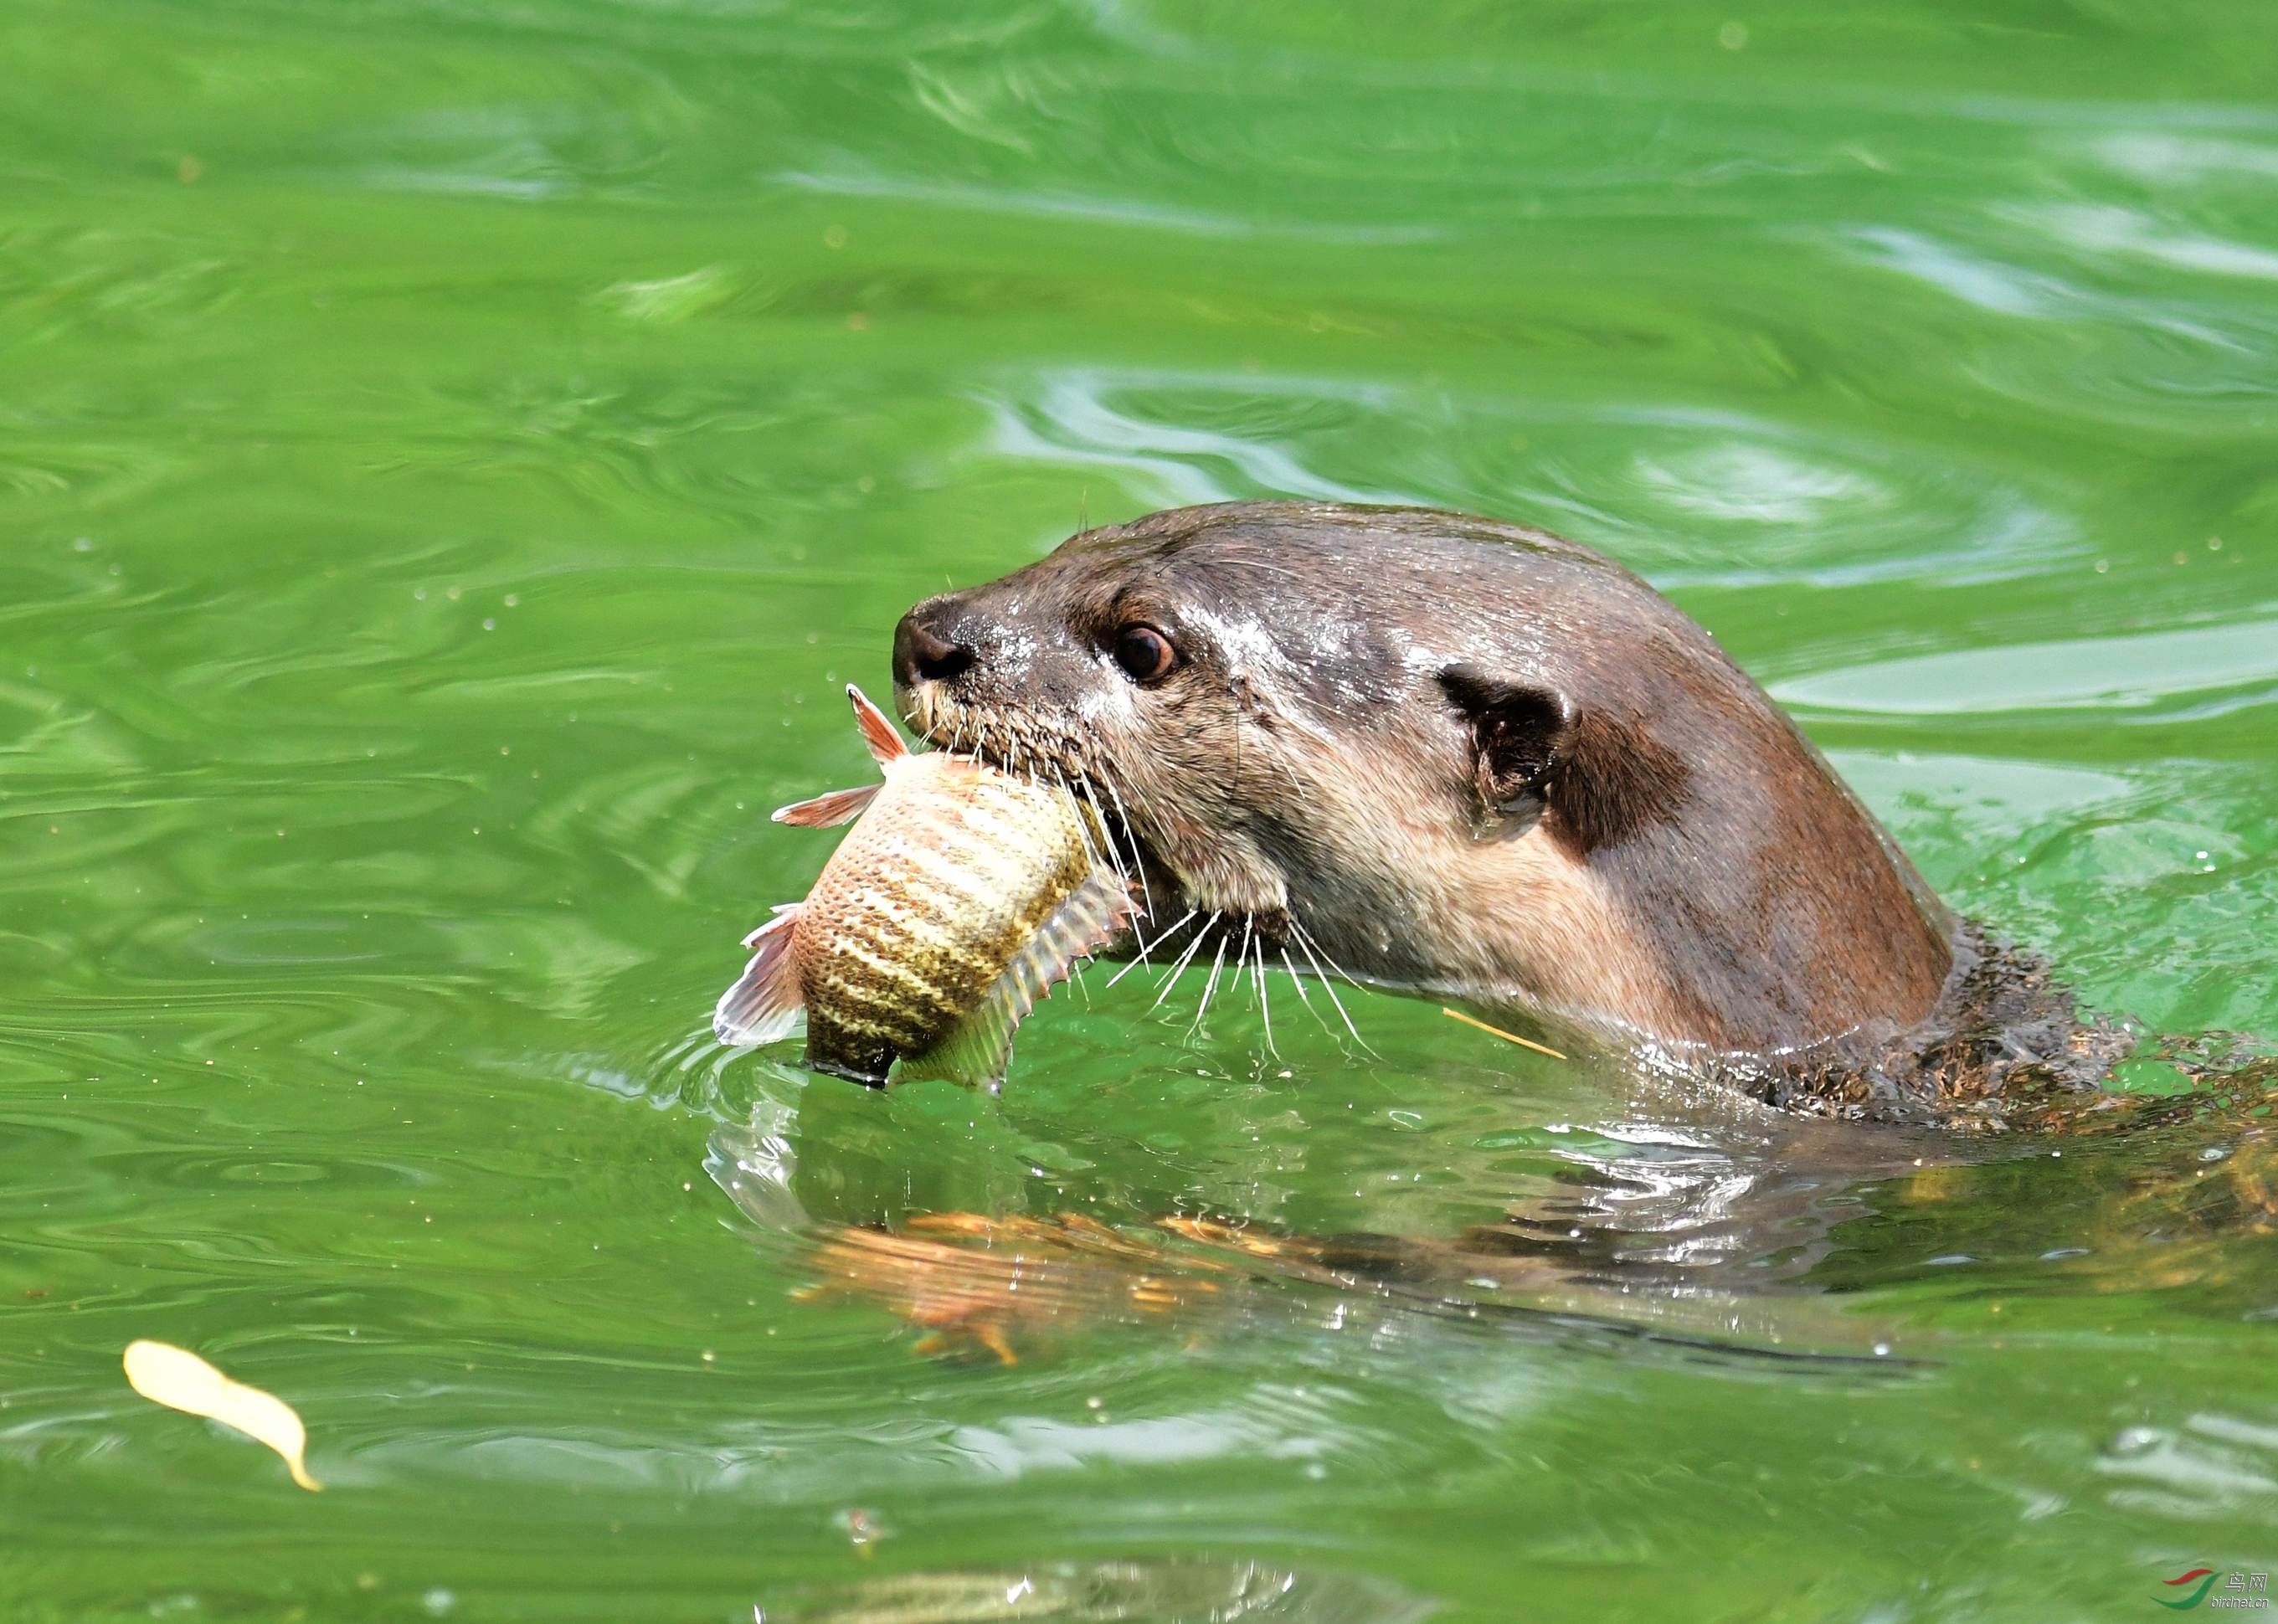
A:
930	646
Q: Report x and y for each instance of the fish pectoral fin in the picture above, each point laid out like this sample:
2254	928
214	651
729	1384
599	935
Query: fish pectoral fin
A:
828	811
765	1004
976	1052
878	732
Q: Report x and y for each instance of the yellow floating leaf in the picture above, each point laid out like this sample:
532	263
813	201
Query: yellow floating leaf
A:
181	1380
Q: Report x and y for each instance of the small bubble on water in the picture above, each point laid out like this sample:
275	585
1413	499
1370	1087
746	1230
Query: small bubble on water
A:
451	592
438	1601
489	624
513	600
1882	1350
1733	36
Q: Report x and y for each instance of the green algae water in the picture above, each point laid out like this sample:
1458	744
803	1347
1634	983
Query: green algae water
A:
451	456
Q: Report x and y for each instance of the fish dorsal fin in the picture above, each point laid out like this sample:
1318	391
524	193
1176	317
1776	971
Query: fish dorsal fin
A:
886	746
765	1004
828	811
975	1053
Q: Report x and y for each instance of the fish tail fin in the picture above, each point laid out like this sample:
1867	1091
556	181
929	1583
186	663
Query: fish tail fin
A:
827	811
878	732
976	1052
765	1004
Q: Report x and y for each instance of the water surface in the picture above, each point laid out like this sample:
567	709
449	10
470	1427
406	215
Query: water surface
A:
451	455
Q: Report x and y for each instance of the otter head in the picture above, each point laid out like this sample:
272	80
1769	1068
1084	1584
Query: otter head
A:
1441	754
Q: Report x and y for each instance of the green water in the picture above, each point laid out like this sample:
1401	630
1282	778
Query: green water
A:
449	455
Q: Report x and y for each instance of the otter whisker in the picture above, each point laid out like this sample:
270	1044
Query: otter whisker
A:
1084	824
1104	850
1146	893
1168	931
1241	964
1210	986
1171	979
1264	1003
1303	997
1305	945
1091	792
1315	947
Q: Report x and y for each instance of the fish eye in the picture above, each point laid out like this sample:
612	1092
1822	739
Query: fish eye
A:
1146	654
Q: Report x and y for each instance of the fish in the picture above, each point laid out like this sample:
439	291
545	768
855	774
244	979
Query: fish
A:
961	895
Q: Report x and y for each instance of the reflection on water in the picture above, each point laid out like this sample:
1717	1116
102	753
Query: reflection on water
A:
1697	1234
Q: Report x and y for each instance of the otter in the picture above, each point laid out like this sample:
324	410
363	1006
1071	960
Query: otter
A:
1466	759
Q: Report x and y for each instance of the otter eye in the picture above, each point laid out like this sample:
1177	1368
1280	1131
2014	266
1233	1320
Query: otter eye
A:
1144	653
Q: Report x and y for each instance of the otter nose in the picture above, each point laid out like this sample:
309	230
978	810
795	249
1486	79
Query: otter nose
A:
922	653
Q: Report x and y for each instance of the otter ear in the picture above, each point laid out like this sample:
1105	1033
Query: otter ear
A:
1519	736
1600	778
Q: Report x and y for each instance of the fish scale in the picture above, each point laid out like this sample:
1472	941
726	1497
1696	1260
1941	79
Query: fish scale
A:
961	895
